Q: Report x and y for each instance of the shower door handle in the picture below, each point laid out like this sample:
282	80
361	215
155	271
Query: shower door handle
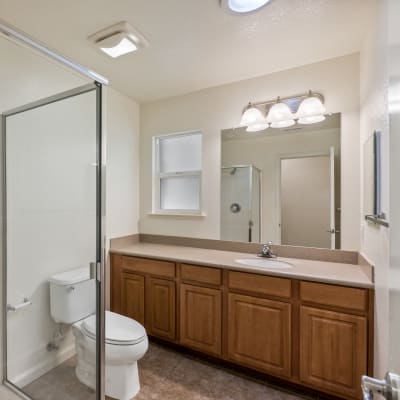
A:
94	270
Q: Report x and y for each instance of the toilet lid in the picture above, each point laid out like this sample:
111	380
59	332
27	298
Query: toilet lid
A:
120	330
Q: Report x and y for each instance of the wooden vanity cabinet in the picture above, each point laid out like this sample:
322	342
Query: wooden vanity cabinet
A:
145	290
334	337
312	334
259	322
132	296
259	333
161	307
333	350
200	308
201	318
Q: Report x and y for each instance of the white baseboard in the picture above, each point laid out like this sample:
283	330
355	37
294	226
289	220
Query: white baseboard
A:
50	362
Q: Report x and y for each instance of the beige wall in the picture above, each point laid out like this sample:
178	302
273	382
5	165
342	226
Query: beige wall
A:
122	184
219	108
374	116
265	153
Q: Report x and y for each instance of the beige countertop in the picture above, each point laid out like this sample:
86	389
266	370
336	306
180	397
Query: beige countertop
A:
311	270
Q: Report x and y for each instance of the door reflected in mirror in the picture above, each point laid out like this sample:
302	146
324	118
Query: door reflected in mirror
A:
282	185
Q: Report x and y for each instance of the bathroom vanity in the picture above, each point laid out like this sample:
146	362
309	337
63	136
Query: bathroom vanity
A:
309	328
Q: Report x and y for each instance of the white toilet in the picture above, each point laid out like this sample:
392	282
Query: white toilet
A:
73	302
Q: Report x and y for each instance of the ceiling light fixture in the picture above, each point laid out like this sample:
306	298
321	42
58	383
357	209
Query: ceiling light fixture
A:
243	6
284	112
118	40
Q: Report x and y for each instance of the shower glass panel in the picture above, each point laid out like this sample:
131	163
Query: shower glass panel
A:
52	166
240	203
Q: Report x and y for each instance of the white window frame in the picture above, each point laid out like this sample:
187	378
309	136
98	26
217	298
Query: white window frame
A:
158	176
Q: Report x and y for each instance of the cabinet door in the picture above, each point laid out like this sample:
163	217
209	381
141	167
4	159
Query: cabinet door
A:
160	308
200	318
333	350
259	333
132	296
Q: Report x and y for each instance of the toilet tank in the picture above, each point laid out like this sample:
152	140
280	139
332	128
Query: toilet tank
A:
72	295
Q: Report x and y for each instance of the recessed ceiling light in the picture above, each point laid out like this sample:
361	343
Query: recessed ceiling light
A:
243	6
117	45
118	40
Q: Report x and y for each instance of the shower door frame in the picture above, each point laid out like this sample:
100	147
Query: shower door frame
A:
100	228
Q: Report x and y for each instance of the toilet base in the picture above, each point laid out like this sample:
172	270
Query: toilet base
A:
121	367
122	381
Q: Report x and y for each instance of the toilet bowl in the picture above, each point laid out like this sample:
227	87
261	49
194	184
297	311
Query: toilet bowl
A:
72	301
126	343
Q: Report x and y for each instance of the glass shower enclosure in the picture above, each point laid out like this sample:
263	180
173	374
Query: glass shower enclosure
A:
53	217
241	203
53	213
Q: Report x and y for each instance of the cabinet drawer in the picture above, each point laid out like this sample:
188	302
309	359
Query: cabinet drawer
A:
333	295
153	267
261	284
199	274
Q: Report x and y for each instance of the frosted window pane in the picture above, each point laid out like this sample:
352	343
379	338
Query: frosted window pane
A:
180	193
180	153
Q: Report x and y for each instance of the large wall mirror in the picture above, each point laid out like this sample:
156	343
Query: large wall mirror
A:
282	185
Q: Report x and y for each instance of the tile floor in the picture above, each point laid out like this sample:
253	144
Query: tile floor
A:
165	375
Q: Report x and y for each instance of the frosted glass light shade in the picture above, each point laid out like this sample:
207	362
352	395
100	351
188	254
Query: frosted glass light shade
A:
313	119
252	115
311	106
245	6
283	124
257	127
279	112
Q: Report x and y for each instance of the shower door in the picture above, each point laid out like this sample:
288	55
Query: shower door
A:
240	203
53	183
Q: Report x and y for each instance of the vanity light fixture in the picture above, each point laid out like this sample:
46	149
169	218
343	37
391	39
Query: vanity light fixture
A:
280	115
307	108
243	6
257	127
118	40
311	110
252	115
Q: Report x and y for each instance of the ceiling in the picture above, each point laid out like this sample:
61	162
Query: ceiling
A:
194	44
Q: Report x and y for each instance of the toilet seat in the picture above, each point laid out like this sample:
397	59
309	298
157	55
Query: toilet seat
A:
120	330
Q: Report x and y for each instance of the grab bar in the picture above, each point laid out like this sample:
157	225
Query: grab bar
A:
24	304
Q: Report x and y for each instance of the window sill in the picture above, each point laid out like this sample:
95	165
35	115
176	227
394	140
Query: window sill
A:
177	214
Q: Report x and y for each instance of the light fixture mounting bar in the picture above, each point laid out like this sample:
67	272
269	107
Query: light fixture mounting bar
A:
298	97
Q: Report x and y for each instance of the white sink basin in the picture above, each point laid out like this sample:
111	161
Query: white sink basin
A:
264	263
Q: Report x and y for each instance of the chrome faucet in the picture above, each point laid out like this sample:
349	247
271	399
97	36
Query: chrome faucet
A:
266	251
